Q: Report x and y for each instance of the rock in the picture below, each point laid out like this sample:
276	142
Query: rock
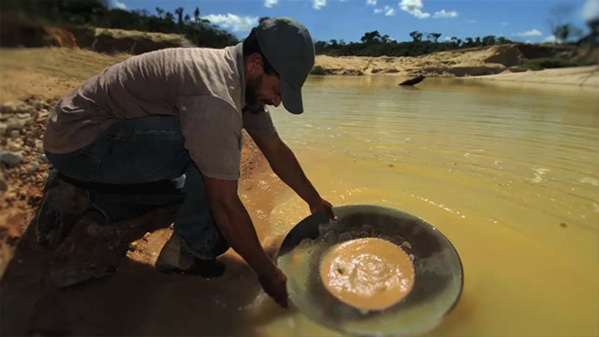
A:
10	159
413	81
14	146
39	145
14	134
16	123
3	128
517	69
16	107
33	167
3	184
8	107
42	158
42	116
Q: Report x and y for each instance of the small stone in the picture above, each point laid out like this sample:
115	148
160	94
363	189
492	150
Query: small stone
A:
3	184
42	158
39	145
14	146
16	123
33	167
42	116
147	236
3	128
8	107
10	159
15	134
563	225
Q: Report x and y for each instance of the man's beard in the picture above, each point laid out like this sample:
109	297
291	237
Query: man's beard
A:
251	96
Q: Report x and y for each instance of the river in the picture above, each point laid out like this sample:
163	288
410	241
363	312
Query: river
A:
509	173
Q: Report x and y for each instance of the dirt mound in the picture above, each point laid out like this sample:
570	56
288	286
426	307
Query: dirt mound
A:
507	55
61	37
135	42
18	32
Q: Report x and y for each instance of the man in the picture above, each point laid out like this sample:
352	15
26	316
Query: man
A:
177	113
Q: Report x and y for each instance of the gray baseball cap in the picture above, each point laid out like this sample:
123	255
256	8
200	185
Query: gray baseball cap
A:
288	47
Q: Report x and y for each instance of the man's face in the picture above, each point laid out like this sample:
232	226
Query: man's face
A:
261	89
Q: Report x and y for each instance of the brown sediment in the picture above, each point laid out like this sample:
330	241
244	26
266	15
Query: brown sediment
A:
367	273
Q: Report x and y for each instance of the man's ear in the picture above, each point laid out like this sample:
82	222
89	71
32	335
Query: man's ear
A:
255	64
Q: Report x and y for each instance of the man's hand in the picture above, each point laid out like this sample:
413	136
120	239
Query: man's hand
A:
275	285
323	206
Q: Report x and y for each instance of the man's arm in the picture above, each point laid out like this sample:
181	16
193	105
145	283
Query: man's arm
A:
285	165
236	227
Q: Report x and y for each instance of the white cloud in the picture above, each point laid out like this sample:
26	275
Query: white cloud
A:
532	32
377	10
117	4
414	7
389	11
472	21
232	21
270	3
371	2
504	24
318	4
447	38
550	38
445	14
590	10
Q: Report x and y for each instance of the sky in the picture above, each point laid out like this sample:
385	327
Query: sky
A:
348	20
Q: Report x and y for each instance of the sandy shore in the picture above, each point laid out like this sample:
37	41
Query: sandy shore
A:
587	77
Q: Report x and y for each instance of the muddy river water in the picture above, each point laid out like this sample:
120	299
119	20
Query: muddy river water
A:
509	173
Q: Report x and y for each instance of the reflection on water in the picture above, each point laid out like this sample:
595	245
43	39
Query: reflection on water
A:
508	173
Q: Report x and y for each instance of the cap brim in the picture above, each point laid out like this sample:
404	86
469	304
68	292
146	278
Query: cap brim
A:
292	98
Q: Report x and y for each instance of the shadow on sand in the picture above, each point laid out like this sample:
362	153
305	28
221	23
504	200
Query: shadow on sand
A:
135	300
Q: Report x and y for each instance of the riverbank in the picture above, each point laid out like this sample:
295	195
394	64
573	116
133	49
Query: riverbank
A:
511	58
587	77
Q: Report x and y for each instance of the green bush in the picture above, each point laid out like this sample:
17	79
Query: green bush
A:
318	70
552	62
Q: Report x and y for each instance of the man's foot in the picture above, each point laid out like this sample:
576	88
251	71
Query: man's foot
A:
175	259
62	207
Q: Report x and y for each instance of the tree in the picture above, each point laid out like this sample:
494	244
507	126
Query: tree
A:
373	37
559	22
196	14
503	40
160	12
433	36
179	12
416	36
489	40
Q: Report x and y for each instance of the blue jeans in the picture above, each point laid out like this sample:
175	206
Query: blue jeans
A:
137	165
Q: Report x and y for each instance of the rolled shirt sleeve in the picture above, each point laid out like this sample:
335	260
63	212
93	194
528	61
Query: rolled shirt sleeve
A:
258	122
212	130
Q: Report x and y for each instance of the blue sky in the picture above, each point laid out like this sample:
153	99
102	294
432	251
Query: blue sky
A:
518	20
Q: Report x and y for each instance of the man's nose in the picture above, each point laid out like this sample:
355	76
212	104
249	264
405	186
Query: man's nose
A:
277	101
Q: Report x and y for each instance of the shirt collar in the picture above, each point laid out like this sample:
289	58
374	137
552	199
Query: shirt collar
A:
238	54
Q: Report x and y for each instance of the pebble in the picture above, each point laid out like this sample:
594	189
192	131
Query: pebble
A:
3	128
16	123
14	147
10	159
15	133
39	145
33	167
3	184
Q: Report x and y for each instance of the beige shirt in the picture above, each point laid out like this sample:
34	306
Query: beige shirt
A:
204	87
